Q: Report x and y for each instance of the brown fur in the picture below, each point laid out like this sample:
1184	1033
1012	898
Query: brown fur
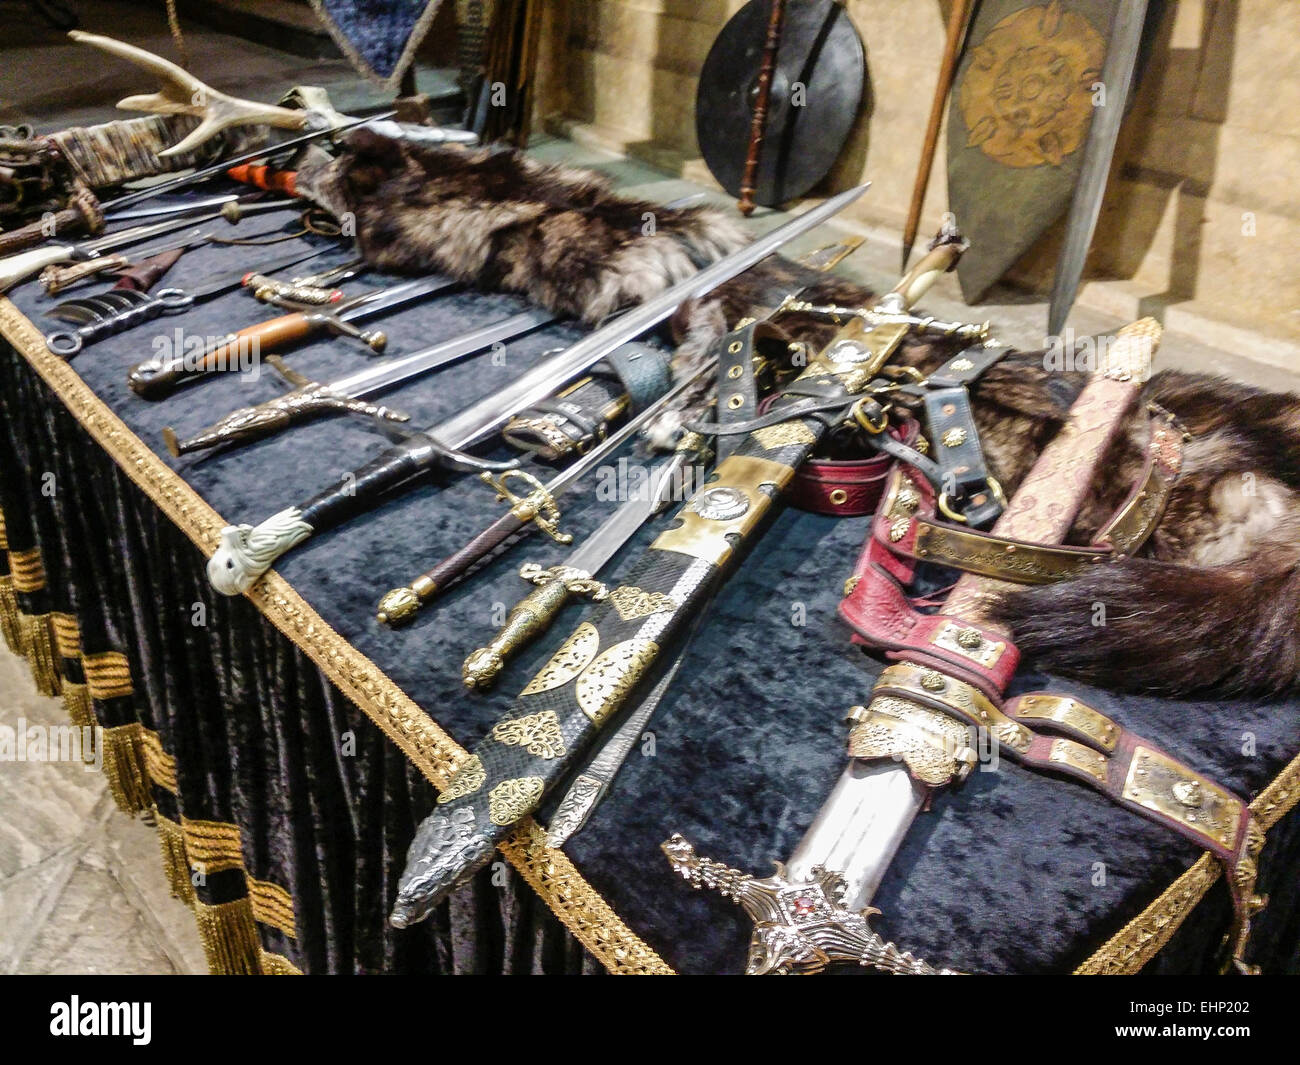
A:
1213	600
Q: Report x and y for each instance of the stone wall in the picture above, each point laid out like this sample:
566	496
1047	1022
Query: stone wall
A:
1201	214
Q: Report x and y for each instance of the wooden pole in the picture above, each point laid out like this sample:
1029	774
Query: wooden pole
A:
749	182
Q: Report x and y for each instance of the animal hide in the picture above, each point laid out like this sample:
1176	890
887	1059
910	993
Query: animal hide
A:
1211	603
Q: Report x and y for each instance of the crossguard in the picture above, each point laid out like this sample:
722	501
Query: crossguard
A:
800	926
578	582
538	506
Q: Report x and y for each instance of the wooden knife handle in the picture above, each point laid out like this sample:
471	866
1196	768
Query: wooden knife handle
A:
158	378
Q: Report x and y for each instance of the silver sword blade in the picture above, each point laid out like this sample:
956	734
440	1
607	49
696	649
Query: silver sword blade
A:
859	828
176	209
1117	76
384	375
483	418
382	300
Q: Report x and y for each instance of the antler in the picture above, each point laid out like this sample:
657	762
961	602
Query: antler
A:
183	94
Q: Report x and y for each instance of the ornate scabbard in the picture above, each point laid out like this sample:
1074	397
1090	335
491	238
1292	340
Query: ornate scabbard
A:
592	674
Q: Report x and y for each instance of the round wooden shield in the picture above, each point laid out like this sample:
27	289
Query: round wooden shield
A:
816	89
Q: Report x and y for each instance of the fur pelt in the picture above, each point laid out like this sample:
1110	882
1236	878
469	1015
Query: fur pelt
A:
1213	600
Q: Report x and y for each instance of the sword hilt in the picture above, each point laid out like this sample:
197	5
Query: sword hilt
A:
530	617
269	290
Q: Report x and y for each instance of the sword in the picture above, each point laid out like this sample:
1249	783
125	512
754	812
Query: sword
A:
311	398
536	510
160	376
246	552
556	585
558	715
1117	73
15	268
814	910
121	309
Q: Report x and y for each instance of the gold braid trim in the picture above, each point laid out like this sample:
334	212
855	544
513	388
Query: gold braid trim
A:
159	765
128	781
1143	937
576	903
67	635
212	846
34	638
108	675
4	533
27	570
272	905
230	938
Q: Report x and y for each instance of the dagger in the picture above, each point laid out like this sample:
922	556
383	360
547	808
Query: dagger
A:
311	398
246	552
160	376
559	714
814	909
536	510
556	585
121	309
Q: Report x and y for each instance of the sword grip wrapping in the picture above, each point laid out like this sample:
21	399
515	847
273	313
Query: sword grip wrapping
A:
361	489
530	617
402	604
263	177
156	379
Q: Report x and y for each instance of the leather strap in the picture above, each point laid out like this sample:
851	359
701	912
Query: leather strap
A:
963	473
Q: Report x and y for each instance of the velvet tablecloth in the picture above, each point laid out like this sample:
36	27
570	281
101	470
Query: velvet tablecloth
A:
286	744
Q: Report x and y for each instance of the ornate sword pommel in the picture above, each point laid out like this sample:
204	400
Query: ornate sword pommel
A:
800	926
530	617
398	607
269	290
538	506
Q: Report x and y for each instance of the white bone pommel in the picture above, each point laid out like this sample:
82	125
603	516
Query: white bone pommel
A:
247	551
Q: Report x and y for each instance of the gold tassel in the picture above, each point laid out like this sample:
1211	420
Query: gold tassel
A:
77	705
230	938
176	863
40	652
9	627
278	965
124	767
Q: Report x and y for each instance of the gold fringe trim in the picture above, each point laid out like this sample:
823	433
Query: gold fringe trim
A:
9	627
4	533
27	570
160	766
34	636
108	675
124	767
582	909
67	635
176	866
272	905
230	938
278	965
78	707
212	846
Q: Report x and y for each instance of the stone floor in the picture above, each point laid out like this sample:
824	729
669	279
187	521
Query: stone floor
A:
81	884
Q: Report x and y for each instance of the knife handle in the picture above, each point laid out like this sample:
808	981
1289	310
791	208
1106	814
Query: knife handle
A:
54	279
155	379
530	617
402	604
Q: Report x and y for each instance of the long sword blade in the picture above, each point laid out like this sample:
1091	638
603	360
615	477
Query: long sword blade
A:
489	414
1117	77
384	300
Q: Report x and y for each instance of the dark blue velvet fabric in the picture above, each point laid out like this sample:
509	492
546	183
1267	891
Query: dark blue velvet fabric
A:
998	877
377	30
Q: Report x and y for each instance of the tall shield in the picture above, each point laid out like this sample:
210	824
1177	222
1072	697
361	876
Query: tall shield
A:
1024	97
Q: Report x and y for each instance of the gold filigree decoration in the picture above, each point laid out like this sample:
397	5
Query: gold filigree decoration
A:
538	734
465	781
1026	97
606	682
512	799
633	603
953	437
787	434
570	659
580	908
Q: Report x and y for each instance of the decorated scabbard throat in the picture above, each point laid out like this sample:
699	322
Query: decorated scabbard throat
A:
592	674
633	376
